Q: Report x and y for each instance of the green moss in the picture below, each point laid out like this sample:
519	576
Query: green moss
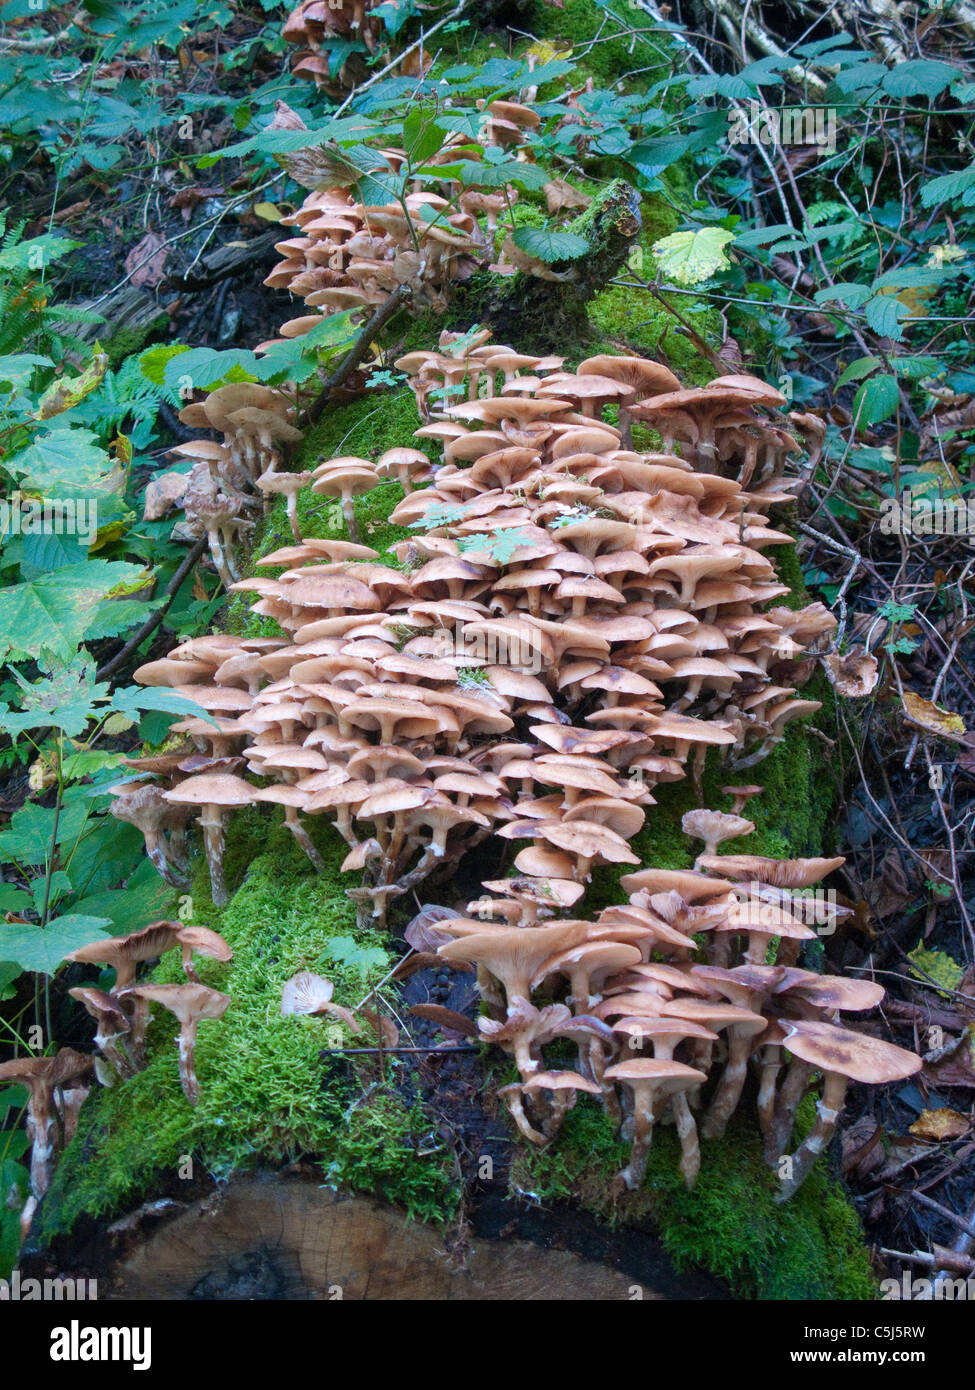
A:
265	1094
730	1223
124	342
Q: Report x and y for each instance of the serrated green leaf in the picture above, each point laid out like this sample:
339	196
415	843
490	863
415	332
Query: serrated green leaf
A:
53	613
549	246
883	313
689	257
43	949
876	400
919	77
857	370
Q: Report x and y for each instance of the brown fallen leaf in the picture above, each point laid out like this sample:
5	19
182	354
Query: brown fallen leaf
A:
422	933
931	717
862	1148
382	1026
854	674
448	1020
560	194
163	494
146	262
941	1125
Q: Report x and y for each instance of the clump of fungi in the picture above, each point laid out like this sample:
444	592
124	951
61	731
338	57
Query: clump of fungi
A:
571	623
574	620
315	25
57	1085
649	988
233	479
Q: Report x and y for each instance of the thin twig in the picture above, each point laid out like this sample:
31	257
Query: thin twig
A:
152	622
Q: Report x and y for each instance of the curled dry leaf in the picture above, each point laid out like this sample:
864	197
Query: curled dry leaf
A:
146	262
384	1028
422	932
931	717
941	1125
854	674
448	1020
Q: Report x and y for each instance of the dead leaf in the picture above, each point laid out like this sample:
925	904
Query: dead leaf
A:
422	933
854	674
448	1020
146	262
382	1026
560	194
889	891
957	1069
932	717
163	494
862	1148
187	198
941	1125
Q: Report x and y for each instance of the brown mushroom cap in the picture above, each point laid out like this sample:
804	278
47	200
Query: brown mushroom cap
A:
858	1056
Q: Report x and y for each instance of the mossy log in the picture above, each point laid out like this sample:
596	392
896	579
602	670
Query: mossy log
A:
544	314
273	1237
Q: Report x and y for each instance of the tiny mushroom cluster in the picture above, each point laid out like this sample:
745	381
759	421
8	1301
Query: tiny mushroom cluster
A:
58	1084
574	622
230	479
123	1013
671	998
313	24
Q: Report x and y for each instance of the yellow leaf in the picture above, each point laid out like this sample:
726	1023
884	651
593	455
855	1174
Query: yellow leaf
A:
932	717
269	211
940	1125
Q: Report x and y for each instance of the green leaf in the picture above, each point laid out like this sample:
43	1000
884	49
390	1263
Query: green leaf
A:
919	77
43	949
689	257
876	400
883	313
857	370
948	187
13	899
422	137
53	613
549	246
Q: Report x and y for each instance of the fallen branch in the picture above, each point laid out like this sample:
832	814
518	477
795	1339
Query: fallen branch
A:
152	622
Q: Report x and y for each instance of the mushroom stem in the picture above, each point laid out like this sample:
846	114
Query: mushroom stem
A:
214	839
729	1088
219	559
302	837
156	850
690	1163
348	511
187	1072
636	1170
292	508
770	1065
516	1108
818	1138
791	1092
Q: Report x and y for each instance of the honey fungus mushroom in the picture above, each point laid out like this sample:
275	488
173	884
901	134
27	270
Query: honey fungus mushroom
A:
214	794
191	1004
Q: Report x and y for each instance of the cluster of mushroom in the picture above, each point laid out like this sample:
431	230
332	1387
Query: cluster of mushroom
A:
316	25
57	1085
123	1013
697	963
229	478
347	255
572	615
